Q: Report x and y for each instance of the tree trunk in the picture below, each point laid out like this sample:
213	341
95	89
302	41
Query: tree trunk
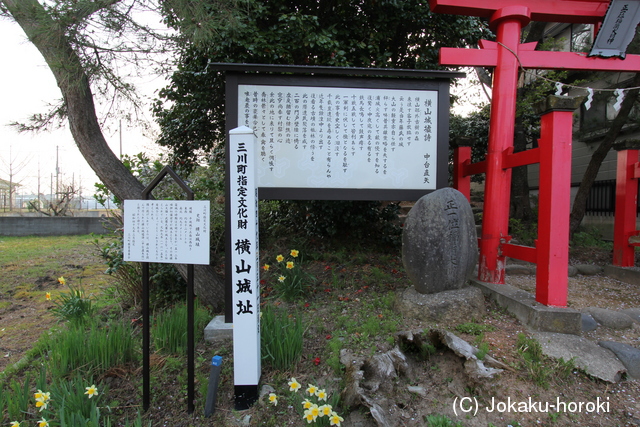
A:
50	39
598	156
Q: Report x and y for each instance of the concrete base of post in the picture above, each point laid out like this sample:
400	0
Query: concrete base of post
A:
537	316
217	330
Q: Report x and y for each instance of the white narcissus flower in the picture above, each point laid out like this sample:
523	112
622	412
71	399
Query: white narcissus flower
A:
91	391
273	399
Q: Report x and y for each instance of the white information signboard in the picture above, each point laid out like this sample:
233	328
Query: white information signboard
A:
340	137
166	231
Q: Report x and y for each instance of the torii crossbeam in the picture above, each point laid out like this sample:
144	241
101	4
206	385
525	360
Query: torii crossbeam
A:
507	55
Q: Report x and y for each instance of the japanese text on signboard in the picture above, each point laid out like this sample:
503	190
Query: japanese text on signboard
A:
342	137
166	231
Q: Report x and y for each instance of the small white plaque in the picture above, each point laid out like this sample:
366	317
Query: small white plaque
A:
166	231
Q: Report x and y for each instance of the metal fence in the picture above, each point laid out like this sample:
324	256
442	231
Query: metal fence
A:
602	198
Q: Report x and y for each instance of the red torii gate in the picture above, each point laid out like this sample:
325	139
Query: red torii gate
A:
507	55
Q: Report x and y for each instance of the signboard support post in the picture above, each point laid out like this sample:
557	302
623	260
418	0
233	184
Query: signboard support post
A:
243	265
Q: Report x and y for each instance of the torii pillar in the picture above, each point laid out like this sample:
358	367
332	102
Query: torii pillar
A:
507	55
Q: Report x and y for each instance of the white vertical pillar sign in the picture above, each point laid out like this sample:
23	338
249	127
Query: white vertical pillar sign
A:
244	256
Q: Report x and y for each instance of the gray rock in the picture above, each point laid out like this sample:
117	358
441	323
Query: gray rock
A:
634	313
439	242
264	391
454	307
628	355
588	269
573	271
419	390
518	270
610	318
588	356
588	323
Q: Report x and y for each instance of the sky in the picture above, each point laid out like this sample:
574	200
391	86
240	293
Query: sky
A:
27	87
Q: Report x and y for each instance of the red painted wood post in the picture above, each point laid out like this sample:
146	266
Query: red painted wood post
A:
552	276
507	23
462	158
626	204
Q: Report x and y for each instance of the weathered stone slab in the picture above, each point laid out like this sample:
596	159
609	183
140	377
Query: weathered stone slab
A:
610	318
629	275
439	242
453	307
588	356
628	355
524	306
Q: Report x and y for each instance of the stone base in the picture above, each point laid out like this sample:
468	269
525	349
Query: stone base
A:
217	330
629	275
587	355
454	307
537	316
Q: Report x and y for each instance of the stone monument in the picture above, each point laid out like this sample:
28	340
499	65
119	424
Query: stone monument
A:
439	242
439	253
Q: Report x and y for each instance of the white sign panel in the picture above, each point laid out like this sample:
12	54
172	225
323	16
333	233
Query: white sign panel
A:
166	231
618	29
244	257
339	137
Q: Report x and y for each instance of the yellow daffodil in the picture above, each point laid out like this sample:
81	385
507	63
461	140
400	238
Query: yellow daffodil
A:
281	279
62	280
294	253
266	267
43	423
289	265
308	415
48	296
322	395
306	404
273	399
294	385
42	399
14	424
312	390
91	391
325	410
279	258
335	419
314	410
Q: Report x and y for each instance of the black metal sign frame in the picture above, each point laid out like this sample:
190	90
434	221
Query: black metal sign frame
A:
146	321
